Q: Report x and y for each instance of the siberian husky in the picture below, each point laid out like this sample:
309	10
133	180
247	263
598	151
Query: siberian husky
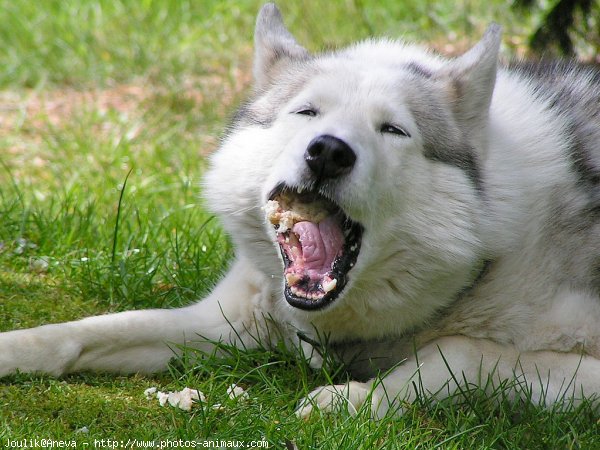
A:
421	216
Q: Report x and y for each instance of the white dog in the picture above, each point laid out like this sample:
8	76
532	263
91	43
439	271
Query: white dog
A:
384	199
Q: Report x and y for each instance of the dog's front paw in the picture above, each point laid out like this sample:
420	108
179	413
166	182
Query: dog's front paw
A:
334	398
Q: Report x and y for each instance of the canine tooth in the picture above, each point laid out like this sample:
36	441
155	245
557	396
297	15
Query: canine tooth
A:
329	285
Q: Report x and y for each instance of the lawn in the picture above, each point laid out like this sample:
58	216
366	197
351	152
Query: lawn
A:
108	110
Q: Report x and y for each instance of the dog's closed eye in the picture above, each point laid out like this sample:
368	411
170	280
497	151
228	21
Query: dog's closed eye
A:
307	111
393	129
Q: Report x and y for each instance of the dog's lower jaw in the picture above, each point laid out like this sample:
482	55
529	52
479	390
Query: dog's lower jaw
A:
319	245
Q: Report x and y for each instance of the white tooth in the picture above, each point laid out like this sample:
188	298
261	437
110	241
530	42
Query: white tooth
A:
329	285
298	292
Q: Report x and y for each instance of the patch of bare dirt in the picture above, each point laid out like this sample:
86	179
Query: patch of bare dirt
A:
35	109
27	115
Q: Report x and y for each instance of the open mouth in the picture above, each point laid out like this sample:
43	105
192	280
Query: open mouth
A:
319	245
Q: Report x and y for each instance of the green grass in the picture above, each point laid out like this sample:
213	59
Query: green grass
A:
108	110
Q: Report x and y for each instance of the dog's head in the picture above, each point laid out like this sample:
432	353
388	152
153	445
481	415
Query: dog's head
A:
361	168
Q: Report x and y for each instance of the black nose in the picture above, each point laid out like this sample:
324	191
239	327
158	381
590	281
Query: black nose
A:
329	157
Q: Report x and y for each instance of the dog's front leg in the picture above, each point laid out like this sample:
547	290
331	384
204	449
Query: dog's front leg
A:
426	372
453	364
145	340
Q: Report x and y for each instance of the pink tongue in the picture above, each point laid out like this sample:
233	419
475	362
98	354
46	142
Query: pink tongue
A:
321	243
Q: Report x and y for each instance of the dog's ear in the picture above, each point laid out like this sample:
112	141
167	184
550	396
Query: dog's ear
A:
471	79
274	46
